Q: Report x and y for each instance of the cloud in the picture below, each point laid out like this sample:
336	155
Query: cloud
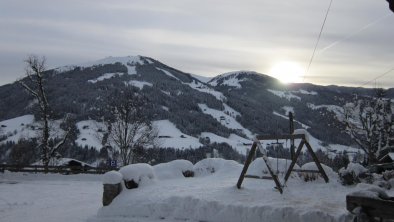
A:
205	37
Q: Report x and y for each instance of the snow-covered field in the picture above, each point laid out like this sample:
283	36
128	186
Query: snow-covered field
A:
167	196
212	196
47	198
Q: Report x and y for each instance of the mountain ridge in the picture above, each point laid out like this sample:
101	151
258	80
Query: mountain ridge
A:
237	105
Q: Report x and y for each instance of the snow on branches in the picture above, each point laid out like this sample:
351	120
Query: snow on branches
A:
370	124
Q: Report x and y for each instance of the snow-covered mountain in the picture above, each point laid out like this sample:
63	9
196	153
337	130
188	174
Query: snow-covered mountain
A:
187	109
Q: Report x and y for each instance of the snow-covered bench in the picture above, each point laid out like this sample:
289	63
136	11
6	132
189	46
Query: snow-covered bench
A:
370	205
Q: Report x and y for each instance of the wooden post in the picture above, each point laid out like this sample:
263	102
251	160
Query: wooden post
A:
273	175
293	162
292	151
246	166
314	157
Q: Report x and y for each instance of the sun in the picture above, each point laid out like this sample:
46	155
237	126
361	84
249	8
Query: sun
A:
288	72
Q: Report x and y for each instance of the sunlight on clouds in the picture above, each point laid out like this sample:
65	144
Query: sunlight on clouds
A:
288	72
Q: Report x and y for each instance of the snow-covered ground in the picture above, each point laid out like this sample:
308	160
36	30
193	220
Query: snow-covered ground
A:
46	198
209	196
212	196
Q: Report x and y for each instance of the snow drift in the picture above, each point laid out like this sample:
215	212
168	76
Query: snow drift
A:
212	196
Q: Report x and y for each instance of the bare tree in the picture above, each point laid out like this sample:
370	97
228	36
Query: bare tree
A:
370	124
34	84
129	129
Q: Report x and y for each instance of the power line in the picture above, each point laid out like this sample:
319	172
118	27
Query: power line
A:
318	39
372	23
377	77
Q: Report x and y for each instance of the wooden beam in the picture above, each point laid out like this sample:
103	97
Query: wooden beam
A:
292	147
274	175
314	157
373	207
258	177
293	162
281	137
246	166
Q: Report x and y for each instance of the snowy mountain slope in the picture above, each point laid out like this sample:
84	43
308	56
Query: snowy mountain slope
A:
203	79
225	119
239	103
282	94
339	112
90	133
104	77
170	136
140	84
232	79
241	145
129	61
206	89
25	127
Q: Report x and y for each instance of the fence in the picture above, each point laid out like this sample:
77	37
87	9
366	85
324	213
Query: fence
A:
55	169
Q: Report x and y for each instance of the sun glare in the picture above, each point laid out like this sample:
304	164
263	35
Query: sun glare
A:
288	72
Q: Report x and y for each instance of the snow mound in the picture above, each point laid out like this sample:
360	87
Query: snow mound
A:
173	169
259	168
312	166
112	177
354	168
216	165
141	173
369	190
303	131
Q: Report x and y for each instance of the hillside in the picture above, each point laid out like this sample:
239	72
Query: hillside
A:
188	111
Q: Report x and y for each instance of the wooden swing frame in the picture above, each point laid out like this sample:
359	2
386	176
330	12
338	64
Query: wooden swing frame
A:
294	158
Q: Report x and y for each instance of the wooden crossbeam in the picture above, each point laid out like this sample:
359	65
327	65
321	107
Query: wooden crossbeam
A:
281	137
252	153
258	177
293	162
314	157
279	186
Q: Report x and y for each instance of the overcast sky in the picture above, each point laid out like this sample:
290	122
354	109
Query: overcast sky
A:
205	37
